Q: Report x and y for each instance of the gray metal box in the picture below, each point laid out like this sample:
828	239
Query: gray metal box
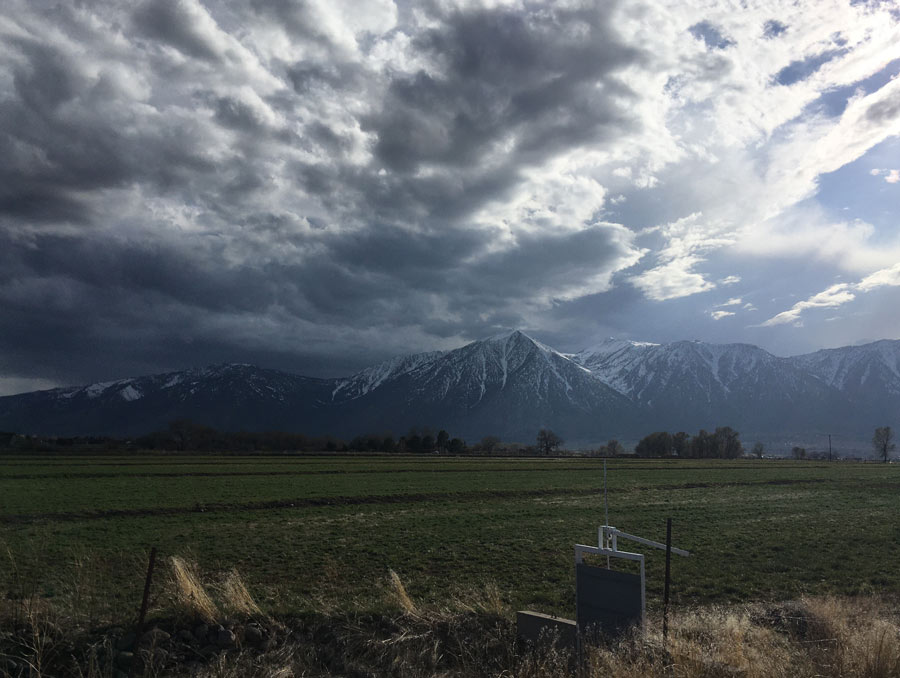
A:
606	601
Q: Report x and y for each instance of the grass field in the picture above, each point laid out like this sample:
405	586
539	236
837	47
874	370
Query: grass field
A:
324	531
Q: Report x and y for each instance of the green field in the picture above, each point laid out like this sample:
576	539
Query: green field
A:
314	530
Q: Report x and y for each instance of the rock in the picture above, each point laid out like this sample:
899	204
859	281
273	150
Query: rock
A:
201	632
126	642
253	634
154	637
185	636
124	660
225	638
208	651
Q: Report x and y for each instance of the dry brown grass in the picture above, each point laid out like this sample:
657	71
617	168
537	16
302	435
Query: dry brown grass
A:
481	600
191	599
817	637
400	596
236	598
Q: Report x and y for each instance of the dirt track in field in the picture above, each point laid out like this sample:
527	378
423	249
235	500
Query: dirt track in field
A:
310	502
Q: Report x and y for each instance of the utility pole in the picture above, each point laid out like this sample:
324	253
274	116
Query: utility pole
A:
829	442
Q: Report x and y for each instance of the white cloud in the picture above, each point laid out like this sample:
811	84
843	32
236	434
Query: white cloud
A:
687	242
718	315
672	280
887	277
838	295
834	296
819	145
891	176
734	301
730	280
854	246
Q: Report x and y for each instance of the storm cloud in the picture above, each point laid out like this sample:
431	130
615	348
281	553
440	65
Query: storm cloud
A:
315	185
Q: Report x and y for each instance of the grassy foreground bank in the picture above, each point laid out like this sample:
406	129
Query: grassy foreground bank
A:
215	629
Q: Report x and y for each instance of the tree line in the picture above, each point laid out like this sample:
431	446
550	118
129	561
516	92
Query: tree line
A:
186	435
723	443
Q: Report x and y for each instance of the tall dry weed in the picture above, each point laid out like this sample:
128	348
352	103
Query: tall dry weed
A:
485	599
191	597
400	596
236	598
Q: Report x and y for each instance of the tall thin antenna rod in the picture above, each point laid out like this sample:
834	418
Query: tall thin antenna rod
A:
605	506
605	497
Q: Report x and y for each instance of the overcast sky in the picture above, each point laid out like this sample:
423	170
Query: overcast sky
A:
315	185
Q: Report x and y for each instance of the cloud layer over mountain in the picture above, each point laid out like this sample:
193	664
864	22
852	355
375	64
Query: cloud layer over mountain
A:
314	185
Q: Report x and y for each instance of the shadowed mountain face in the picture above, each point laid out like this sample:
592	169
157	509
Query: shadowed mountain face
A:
688	385
509	385
867	376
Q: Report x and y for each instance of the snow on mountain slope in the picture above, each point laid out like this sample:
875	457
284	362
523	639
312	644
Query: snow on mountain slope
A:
508	385
230	397
853	369
637	369
234	378
692	383
371	378
617	362
507	363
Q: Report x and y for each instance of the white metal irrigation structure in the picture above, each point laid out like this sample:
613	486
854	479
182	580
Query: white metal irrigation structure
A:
608	545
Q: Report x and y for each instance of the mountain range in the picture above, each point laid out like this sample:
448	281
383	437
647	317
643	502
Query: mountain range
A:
508	385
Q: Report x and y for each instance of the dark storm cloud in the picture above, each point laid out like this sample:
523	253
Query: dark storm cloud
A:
295	15
67	135
547	263
172	22
153	215
509	91
133	269
530	78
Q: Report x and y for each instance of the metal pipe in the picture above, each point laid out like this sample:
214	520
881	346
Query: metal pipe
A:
646	542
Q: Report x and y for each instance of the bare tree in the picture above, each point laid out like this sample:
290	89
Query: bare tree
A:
758	449
548	441
798	452
882	441
489	443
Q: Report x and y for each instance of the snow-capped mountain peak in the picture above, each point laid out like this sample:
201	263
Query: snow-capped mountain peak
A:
509	385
